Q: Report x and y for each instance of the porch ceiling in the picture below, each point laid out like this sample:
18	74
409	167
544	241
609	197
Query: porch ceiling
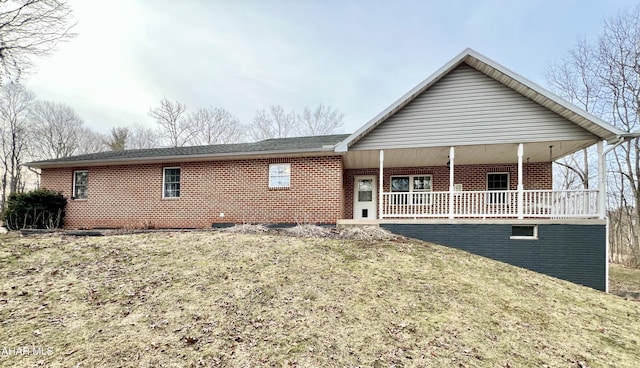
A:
464	155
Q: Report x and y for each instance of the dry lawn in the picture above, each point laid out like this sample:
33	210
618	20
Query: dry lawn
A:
206	299
624	281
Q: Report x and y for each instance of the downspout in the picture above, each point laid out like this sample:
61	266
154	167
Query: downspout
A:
602	173
381	186
602	192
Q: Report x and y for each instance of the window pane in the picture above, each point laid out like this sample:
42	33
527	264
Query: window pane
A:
279	175
81	177
498	182
400	184
365	196
421	183
172	183
365	185
526	230
80	184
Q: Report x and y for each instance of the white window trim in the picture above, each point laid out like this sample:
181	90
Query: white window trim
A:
74	185
534	237
164	176
411	187
280	176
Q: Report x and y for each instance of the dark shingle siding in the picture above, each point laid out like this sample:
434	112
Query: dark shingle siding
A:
314	143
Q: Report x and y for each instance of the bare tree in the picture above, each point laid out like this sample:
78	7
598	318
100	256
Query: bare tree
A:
15	102
28	29
604	77
118	139
215	126
174	127
57	131
90	141
576	79
321	121
141	136
275	123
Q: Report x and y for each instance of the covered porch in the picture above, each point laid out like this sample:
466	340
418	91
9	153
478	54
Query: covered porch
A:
499	181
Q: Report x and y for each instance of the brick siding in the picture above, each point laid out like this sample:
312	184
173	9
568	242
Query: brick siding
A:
535	176
130	196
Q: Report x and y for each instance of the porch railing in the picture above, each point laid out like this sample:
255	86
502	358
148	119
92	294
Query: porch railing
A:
491	204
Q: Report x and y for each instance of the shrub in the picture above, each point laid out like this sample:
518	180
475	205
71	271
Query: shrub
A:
38	209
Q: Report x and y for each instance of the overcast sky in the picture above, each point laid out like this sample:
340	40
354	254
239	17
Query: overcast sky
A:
243	56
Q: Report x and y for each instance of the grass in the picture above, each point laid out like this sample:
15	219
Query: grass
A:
624	281
206	299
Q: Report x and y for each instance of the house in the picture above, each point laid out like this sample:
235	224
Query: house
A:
464	159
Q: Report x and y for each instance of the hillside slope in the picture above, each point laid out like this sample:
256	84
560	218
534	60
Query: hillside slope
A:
217	299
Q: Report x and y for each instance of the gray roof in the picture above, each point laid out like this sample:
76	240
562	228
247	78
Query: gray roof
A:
269	147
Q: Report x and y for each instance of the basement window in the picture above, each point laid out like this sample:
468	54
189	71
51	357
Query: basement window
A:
524	232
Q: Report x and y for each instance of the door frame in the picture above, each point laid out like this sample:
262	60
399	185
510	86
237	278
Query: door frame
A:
374	206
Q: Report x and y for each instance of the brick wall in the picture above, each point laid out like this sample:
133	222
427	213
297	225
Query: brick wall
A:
535	176
131	195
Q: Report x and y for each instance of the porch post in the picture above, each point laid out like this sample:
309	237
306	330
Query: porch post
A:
380	186
602	183
451	180
520	186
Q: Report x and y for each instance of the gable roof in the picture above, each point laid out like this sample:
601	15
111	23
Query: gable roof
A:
518	83
277	146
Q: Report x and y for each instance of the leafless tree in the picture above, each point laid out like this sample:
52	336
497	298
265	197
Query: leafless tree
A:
57	131
215	126
29	29
90	141
604	77
118	139
576	79
321	121
141	136
174	127
275	123
15	102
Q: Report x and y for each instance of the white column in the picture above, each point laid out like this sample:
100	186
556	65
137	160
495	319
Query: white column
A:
602	182
520	186
380	184
451	180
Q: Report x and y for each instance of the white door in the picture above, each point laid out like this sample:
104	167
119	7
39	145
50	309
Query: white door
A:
364	201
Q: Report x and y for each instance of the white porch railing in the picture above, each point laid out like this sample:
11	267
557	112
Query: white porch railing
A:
491	204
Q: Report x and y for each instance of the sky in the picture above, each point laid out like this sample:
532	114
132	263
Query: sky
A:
357	56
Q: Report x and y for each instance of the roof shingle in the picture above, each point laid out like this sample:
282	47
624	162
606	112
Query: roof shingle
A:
276	145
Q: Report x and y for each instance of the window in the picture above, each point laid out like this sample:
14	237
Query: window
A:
498	182
80	184
417	186
279	175
171	182
524	232
365	190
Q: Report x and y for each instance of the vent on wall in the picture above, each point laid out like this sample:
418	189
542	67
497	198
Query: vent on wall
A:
457	187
